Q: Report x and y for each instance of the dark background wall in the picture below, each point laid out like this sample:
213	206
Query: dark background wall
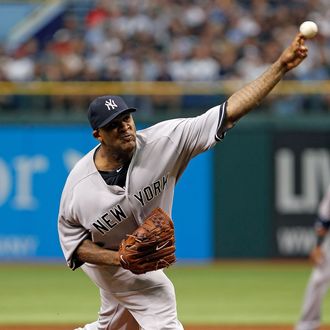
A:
269	177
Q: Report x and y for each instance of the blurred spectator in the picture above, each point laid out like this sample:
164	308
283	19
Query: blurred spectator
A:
99	14
20	66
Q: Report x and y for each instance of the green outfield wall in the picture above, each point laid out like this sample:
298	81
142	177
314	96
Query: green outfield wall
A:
269	175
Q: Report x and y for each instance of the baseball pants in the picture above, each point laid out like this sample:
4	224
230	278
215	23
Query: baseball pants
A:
316	289
133	302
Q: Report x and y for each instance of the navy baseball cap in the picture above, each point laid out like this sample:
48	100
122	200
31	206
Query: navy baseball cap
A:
103	109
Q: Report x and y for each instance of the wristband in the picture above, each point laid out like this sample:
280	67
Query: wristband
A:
322	223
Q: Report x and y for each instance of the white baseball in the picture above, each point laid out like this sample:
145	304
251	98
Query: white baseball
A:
308	29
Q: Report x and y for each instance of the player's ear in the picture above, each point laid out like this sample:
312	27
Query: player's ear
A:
96	134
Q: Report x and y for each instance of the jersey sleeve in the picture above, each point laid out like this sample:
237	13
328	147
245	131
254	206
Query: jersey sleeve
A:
184	138
71	233
198	134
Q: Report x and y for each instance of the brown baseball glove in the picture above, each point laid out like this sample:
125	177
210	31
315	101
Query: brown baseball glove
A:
150	246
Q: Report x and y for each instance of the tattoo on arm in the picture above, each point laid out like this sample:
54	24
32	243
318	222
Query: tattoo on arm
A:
245	99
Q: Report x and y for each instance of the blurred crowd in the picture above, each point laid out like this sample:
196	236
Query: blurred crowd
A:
173	40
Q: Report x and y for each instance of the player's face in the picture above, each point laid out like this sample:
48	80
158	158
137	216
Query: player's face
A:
119	136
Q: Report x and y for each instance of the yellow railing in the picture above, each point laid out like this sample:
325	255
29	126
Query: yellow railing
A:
155	88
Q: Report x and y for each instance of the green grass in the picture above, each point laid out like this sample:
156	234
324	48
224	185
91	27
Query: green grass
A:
45	294
240	293
256	292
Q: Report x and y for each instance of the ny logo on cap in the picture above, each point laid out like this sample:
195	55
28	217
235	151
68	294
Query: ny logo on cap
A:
111	103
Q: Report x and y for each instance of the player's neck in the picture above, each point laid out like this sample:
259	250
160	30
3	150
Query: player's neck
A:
106	161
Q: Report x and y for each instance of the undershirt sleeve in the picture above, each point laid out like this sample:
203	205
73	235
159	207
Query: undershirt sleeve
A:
221	131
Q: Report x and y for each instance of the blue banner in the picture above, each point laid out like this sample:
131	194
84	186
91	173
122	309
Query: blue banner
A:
34	164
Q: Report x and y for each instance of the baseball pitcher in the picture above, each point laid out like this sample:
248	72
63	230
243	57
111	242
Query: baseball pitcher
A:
115	211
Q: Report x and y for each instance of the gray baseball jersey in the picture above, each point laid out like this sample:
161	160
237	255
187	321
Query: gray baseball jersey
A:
90	208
